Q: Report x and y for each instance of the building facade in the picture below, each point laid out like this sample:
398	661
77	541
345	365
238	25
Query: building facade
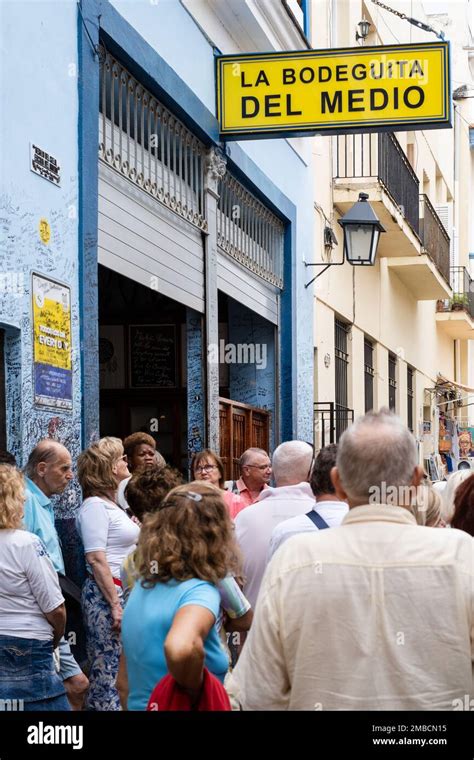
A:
154	275
400	333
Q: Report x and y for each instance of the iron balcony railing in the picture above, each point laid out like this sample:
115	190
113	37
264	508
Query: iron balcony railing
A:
434	238
380	156
329	422
249	232
462	285
145	142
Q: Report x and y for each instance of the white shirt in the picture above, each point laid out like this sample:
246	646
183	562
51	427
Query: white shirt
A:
103	526
254	526
332	512
29	586
376	614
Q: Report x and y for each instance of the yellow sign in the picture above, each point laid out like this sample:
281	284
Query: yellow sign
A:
52	352
395	87
44	231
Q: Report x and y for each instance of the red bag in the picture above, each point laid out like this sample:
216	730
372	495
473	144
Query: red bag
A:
167	695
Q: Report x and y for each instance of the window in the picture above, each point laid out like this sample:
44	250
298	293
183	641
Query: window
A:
392	382
369	374
410	397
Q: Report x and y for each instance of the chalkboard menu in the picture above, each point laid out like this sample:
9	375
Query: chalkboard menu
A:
152	356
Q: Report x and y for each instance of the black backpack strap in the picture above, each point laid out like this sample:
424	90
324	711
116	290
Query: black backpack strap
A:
317	520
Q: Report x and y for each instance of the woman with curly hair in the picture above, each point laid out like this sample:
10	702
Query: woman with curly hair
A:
169	623
32	611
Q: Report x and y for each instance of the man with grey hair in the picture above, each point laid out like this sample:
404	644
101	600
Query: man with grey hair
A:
255	473
376	614
292	496
48	472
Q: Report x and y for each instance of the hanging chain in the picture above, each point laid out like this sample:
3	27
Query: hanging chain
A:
413	21
391	10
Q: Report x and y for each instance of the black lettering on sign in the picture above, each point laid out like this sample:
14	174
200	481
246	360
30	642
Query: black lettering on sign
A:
289	76
247	102
379	99
421	97
262	79
272	102
289	110
336	102
355	96
307	77
324	70
341	73
359	67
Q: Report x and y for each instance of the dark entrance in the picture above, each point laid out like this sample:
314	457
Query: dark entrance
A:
142	365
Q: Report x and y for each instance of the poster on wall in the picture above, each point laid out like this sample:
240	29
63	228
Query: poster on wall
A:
111	356
52	354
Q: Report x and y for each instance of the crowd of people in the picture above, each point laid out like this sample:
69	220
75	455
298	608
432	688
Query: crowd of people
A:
333	580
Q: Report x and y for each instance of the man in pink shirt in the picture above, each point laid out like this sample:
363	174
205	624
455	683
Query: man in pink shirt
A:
255	474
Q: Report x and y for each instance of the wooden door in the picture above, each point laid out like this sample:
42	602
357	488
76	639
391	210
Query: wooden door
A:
241	426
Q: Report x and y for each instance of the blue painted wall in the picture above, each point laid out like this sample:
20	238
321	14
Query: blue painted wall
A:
253	383
195	382
38	85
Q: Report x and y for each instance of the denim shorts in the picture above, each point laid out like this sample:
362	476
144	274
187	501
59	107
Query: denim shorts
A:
68	664
28	678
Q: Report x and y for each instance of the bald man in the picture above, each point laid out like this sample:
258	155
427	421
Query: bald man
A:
48	472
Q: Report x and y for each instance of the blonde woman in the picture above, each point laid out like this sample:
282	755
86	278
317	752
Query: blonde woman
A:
108	535
32	611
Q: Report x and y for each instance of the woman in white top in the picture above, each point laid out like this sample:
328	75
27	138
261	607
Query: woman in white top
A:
108	535
32	612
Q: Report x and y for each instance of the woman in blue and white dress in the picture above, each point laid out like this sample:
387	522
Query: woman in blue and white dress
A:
108	535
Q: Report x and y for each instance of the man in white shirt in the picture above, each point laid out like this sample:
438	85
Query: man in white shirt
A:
328	507
376	614
292	496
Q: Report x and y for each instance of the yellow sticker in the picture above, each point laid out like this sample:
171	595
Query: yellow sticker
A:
45	231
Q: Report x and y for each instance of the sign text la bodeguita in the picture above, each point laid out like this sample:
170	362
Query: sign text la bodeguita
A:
394	87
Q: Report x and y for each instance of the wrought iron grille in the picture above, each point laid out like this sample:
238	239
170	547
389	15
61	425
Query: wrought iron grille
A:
392	382
329	422
341	330
410	398
145	142
463	289
250	232
369	374
434	237
380	156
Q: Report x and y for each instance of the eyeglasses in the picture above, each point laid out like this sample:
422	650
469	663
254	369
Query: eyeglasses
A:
205	468
261	467
123	458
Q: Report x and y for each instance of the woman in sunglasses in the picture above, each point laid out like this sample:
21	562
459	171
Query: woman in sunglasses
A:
206	465
108	535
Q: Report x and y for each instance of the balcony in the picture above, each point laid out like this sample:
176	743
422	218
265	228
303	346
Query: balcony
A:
455	316
377	165
434	238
